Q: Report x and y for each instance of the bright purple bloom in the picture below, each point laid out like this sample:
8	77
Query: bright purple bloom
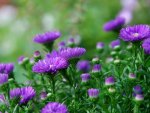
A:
96	68
100	45
137	89
54	107
135	33
115	24
83	66
6	68
50	65
93	93
3	78
109	81
146	45
85	77
47	37
2	67
15	93
27	93
115	43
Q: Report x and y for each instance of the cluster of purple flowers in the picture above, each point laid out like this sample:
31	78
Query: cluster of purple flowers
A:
25	94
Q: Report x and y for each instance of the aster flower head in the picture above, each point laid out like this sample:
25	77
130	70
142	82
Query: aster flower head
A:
93	93
100	45
85	77
83	65
109	81
47	37
115	24
9	68
96	68
54	107
71	42
70	53
37	54
146	46
50	65
114	44
132	76
135	33
27	93
2	98
2	67
3	78
15	93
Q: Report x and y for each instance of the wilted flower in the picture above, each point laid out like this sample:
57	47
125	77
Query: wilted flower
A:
114	44
15	93
146	45
93	93
85	77
47	37
109	81
54	107
27	93
50	65
96	68
135	33
83	66
3	78
115	24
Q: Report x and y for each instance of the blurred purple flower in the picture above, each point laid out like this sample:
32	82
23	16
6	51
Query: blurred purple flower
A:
27	93
137	89
3	78
83	66
115	24
93	93
96	68
50	65
6	68
61	45
135	33
54	107
15	93
37	54
100	45
43	95
115	43
139	97
146	45
85	77
109	81
46	37
21	59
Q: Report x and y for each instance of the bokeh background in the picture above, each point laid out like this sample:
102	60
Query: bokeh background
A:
20	20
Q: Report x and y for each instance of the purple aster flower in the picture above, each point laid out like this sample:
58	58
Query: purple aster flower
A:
69	53
20	59
3	78
37	54
85	77
9	68
135	33
96	68
139	97
115	24
15	93
61	45
83	66
93	93
47	37
2	98
132	76
2	67
109	81
146	45
43	95
27	93
54	107
50	65
115	43
100	45
137	89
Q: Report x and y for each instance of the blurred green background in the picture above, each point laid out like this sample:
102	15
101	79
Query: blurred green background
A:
20	20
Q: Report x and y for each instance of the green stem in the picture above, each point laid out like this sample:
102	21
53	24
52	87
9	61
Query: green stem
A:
16	109
136	108
53	87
